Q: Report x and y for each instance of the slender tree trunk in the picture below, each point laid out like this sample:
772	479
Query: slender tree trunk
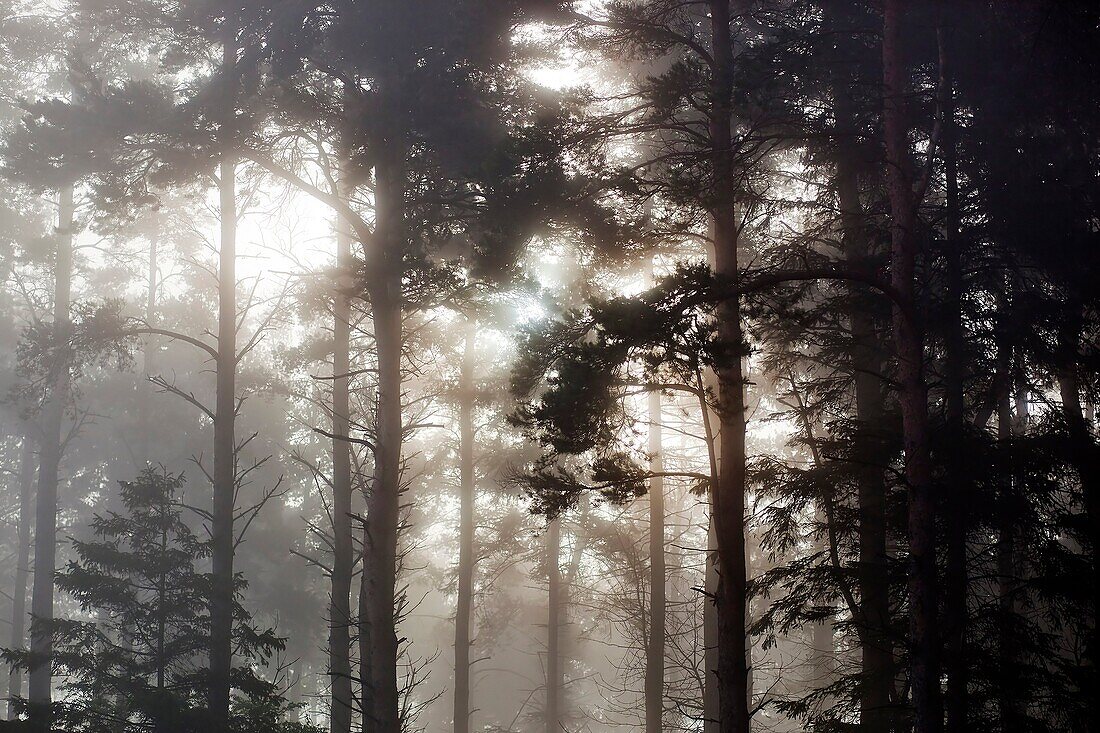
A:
1006	566
45	526
146	439
822	640
751	551
1085	455
339	640
708	384
366	695
909	344
729	496
958	500
151	308
161	721
467	498
383	510
555	680
222	592
876	645
711	714
873	623
655	643
27	469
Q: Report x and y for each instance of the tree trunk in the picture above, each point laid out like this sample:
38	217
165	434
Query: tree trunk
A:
339	640
222	590
822	634
366	696
1007	704
150	308
555	680
711	714
822	641
22	565
467	498
383	510
958	499
729	495
147	438
1085	455
913	396
161	716
45	527
655	642
708	384
873	622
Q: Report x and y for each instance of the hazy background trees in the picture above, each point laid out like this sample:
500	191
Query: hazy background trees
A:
457	366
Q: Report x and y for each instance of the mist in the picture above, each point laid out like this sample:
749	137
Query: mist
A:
543	366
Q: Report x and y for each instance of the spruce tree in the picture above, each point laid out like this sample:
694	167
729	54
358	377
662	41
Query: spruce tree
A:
137	658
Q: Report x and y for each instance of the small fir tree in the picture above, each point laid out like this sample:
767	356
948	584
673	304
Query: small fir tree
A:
137	661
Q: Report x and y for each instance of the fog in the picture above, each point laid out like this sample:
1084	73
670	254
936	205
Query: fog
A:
561	367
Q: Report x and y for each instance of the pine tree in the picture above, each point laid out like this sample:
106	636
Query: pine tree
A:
137	660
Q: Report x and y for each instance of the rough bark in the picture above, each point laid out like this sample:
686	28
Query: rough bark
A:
27	469
729	494
467	497
340	620
655	642
913	393
45	526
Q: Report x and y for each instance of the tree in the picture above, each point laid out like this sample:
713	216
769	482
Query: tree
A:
137	662
467	526
909	344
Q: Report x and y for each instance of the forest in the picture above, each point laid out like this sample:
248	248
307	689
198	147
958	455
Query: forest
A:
549	366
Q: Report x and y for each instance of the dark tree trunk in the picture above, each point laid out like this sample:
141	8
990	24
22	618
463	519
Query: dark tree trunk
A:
655	642
161	717
555	679
708	384
729	495
225	474
873	622
381	713
222	540
45	525
1085	456
710	634
339	640
822	633
1007	704
467	498
27	469
913	393
366	696
957	505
